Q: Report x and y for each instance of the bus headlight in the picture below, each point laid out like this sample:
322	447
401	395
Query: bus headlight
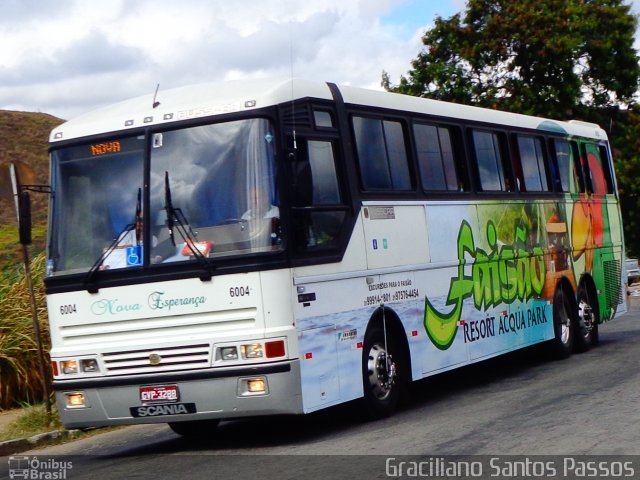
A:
229	353
255	351
76	366
89	365
69	367
252	350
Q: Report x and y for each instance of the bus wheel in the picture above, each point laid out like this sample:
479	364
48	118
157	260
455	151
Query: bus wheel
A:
194	428
587	331
563	325
380	374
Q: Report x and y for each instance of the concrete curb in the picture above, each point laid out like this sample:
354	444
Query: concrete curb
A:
22	444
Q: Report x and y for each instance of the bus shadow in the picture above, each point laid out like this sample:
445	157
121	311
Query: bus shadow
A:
258	433
282	431
247	434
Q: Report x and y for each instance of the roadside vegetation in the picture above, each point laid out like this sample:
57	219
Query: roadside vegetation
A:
23	137
32	421
20	380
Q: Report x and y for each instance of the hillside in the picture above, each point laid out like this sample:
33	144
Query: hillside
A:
24	136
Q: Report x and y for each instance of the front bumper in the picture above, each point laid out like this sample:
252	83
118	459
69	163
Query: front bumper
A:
213	391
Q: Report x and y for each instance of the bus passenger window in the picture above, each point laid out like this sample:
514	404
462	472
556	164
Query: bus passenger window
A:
596	170
532	163
382	155
489	158
436	158
566	165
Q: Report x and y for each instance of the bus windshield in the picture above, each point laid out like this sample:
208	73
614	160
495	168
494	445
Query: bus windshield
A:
220	179
96	191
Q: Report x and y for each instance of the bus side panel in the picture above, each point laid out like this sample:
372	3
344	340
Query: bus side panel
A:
467	281
597	250
441	351
615	273
395	235
608	262
493	299
331	328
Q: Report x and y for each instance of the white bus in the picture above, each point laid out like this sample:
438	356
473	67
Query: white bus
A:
279	247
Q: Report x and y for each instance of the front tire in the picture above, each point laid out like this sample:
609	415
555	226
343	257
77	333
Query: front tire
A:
380	373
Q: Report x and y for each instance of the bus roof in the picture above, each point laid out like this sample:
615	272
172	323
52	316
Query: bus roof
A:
211	99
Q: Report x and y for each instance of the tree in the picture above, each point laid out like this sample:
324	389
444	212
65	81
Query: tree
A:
553	58
540	57
625	138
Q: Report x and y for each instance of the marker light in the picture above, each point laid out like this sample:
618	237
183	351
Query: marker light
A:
75	400
274	349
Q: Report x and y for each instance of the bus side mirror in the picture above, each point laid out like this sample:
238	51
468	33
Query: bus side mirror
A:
24	218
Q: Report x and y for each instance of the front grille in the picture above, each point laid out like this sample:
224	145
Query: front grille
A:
170	358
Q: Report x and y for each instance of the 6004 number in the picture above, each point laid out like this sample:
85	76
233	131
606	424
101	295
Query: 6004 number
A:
68	309
239	291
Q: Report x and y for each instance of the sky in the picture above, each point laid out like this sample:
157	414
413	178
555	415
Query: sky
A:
67	57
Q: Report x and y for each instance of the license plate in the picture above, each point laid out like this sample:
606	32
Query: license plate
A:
163	409
159	394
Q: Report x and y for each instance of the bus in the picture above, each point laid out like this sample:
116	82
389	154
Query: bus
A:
265	247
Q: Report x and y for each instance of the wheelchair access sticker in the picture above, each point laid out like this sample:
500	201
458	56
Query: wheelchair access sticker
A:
134	255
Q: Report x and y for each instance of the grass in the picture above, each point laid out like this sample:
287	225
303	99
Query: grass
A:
32	421
20	380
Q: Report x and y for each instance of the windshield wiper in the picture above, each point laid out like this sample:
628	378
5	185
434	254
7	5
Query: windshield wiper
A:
88	280
139	218
177	220
137	225
168	206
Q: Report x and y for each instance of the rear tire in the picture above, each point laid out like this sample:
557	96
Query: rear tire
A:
195	428
588	317
563	324
381	374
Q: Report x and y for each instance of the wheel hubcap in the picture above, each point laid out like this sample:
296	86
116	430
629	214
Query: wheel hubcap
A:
382	371
586	316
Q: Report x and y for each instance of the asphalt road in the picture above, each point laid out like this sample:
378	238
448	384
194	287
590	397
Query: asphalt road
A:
520	404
